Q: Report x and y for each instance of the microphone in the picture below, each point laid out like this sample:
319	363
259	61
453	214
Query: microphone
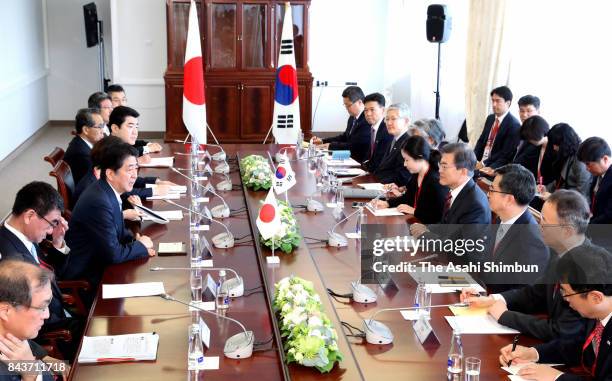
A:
221	240
224	185
238	346
219	211
219	156
337	239
233	286
222	168
379	333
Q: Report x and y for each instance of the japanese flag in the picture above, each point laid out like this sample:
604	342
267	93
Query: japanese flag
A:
268	221
284	178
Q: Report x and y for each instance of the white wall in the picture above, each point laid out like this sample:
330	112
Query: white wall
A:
23	72
139	57
74	73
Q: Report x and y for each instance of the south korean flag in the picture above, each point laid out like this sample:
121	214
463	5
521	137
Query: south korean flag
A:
284	178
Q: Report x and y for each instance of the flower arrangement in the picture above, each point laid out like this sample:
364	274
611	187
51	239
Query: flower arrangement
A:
256	172
308	336
288	236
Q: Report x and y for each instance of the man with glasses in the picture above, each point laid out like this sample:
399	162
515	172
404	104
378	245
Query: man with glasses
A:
36	214
585	285
391	169
516	236
97	235
88	125
102	102
25	297
380	139
356	137
565	218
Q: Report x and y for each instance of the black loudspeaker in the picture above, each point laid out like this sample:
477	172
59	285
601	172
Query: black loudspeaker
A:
90	14
438	23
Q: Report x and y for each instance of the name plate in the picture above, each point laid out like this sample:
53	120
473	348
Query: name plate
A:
425	333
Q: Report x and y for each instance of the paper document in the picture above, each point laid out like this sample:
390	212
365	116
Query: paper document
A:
173	188
132	347
167	214
343	163
159	162
169	196
372	186
514	369
112	291
479	325
436	288
171	247
353	235
411	315
385	212
468	311
348	171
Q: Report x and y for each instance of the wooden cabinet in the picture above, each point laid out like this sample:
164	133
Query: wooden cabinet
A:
240	43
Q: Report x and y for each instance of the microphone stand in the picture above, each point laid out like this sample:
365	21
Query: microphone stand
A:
233	286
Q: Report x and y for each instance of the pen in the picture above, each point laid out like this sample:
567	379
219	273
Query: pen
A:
514	342
451	277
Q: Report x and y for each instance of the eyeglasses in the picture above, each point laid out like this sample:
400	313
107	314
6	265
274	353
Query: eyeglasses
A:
53	224
445	166
491	190
393	119
565	296
107	107
41	309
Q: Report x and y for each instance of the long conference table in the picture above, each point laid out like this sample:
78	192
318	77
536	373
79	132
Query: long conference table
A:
326	267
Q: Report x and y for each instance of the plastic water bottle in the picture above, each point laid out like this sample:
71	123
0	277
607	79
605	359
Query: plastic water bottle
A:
361	220
196	286
223	300
195	357
455	358
422	299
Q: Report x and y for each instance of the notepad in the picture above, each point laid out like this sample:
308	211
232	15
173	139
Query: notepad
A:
372	186
159	162
171	247
169	196
131	347
171	215
479	325
514	369
468	311
343	163
112	291
348	172
385	212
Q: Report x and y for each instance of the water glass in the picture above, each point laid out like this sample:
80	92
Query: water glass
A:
422	298
472	369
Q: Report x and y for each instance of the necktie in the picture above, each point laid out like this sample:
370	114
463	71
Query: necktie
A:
350	131
501	232
372	142
392	145
447	203
597	332
491	140
34	253
595	189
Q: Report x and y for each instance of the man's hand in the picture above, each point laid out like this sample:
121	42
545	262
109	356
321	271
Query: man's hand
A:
59	232
164	182
379	204
479	165
152	252
487	171
539	372
317	140
417	230
472	297
406	209
144	159
497	309
520	355
134	200
154	147
13	349
132	215
145	240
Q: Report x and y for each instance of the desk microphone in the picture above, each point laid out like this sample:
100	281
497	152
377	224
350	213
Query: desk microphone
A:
379	333
223	185
221	240
239	346
219	211
337	239
233	286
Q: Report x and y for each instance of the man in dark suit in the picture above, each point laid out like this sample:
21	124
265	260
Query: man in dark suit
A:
595	154
565	217
25	294
102	102
466	211
97	235
585	285
380	139
500	135
516	238
88	124
391	169
356	137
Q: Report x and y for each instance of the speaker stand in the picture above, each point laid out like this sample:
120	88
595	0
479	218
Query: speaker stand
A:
437	92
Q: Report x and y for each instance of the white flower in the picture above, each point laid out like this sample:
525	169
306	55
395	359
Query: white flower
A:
315	321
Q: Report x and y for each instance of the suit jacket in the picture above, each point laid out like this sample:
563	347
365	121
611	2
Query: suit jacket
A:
141	192
528	155
542	297
354	138
468	218
569	351
381	146
78	157
573	175
505	143
11	247
431	199
97	236
602	210
391	169
38	352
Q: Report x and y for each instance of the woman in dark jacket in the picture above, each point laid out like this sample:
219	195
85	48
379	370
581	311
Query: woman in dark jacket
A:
567	171
424	197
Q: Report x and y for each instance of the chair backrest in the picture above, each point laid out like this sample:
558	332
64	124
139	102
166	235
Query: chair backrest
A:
65	183
54	156
484	183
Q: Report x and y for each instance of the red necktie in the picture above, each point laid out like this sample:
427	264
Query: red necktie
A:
491	140
447	203
597	332
372	142
593	341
